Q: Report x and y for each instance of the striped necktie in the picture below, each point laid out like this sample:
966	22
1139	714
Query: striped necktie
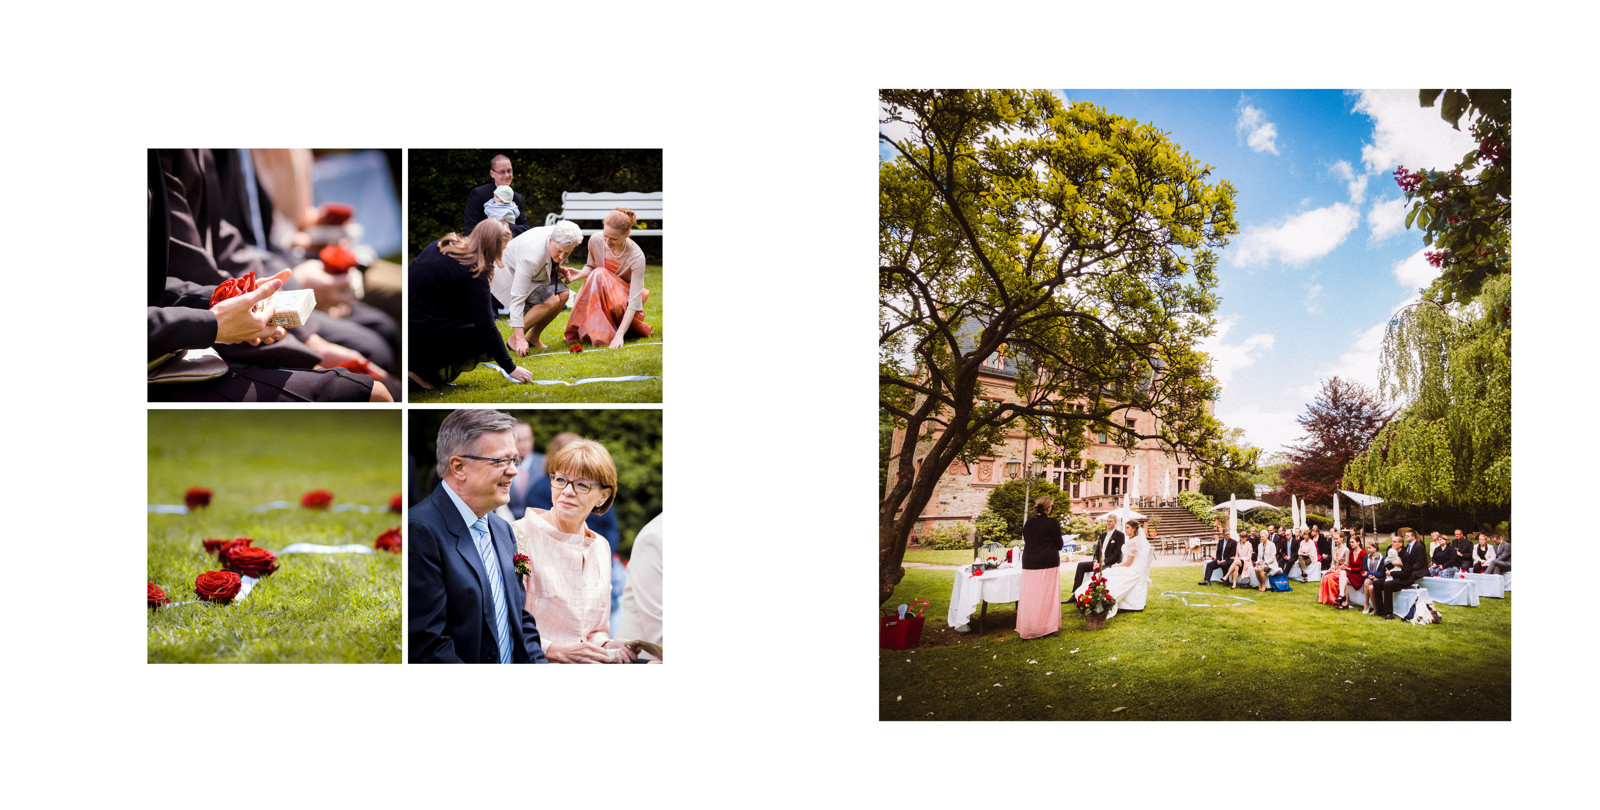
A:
491	567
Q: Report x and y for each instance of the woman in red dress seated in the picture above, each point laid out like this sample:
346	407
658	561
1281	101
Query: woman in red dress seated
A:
611	303
1334	582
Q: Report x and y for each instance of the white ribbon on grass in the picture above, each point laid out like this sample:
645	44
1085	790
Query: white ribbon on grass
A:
313	548
1180	595
179	509
509	378
245	585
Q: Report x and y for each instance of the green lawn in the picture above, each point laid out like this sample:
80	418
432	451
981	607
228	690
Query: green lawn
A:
489	385
1282	657
315	608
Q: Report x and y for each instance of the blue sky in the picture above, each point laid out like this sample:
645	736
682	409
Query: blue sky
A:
1322	259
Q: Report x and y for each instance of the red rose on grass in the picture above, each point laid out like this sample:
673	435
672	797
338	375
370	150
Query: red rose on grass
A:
197	497
337	259
217	586
523	565
575	348
316	499
156	596
234	286
388	541
394	504
335	214
215	546
249	561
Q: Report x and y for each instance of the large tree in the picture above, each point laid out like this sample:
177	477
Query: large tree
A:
1077	244
1448	357
1339	424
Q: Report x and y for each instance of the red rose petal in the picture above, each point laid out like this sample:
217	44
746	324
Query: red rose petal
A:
389	541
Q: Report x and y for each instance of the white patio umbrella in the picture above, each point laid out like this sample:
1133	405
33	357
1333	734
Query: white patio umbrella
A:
1135	488
1123	515
1364	501
1234	507
1166	493
1336	526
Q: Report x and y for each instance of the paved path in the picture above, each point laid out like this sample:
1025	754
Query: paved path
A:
1161	561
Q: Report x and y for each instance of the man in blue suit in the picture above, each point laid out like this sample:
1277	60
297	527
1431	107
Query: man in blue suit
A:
467	604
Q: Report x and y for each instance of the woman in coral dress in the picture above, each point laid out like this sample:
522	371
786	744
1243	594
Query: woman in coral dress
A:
610	304
1334	582
1039	602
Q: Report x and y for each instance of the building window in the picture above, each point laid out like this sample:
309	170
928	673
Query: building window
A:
1183	479
1059	471
1115	480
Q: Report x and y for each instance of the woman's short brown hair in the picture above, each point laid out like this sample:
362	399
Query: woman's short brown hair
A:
591	460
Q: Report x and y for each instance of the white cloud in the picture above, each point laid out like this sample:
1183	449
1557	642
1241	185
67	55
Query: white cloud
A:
1267	429
1387	218
1414	272
1227	358
1313	299
1404	133
1301	238
1358	363
1356	185
1259	133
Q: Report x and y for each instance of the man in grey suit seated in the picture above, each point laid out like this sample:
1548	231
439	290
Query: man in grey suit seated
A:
1502	557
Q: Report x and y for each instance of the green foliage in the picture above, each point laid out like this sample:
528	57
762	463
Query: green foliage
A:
1198	505
1007	501
339	608
992	528
487	385
441	178
947	536
1082	244
631	436
1503	528
1449	356
1219	484
1086	528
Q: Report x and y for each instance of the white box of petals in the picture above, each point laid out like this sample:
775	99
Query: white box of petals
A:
294	307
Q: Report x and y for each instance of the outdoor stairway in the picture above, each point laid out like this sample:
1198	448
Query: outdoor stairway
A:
1176	522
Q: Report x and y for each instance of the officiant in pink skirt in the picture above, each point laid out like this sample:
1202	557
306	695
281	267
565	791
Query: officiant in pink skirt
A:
1039	604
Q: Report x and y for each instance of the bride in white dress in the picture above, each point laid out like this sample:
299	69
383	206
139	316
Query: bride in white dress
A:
1131	576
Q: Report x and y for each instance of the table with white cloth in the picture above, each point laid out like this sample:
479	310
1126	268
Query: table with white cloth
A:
1459	592
1490	585
1507	577
997	585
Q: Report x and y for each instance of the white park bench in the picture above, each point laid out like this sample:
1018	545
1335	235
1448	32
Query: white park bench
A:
593	206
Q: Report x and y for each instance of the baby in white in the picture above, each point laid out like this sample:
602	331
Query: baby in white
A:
500	206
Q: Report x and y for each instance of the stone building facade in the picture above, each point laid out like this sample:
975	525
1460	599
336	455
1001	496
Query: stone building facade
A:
963	490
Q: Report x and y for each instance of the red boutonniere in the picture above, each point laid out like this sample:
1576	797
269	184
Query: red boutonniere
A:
197	497
316	499
337	259
575	348
217	586
388	541
215	546
394	504
248	560
234	286
523	565
157	597
335	214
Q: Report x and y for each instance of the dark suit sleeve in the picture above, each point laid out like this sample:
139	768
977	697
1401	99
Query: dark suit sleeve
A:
522	218
474	212
183	320
428	642
484	328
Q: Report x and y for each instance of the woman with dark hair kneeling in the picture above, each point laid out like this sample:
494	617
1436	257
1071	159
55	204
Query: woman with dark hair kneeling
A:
1039	604
452	310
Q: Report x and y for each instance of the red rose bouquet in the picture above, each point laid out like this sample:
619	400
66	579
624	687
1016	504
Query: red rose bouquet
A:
1097	599
156	596
234	286
248	561
388	541
215	546
316	499
197	497
394	504
337	259
358	366
523	565
217	586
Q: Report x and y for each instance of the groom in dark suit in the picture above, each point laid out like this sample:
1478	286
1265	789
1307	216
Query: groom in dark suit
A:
466	602
1107	552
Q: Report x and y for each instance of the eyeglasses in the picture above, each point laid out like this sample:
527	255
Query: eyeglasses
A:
497	463
558	483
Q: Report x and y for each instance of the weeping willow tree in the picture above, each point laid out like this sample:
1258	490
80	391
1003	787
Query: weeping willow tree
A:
1448	357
